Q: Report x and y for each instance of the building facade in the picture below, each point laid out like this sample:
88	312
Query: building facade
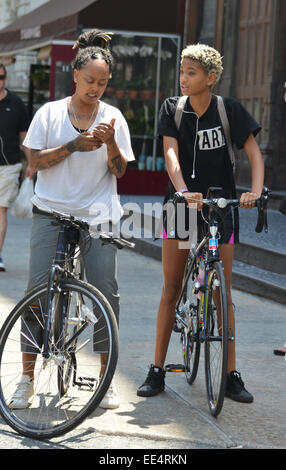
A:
148	39
251	36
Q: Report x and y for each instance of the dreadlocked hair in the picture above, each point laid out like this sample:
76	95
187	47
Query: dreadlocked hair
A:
92	45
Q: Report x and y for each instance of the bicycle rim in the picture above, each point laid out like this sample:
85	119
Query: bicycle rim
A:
216	343
53	411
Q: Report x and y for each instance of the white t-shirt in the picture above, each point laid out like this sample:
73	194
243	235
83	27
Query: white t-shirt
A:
82	184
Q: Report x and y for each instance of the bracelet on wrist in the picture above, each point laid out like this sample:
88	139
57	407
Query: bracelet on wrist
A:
184	191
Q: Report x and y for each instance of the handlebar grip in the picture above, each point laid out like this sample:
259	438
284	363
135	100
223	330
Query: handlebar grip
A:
178	197
107	238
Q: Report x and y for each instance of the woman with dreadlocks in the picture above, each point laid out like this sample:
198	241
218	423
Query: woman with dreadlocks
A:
79	146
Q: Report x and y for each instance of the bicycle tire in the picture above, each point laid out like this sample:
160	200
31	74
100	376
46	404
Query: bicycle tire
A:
52	414
190	335
216	343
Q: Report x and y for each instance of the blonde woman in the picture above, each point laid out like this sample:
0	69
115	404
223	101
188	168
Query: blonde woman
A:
197	158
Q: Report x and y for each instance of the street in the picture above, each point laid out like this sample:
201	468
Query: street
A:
179	417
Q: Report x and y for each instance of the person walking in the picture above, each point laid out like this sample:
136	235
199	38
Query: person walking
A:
197	158
14	123
79	146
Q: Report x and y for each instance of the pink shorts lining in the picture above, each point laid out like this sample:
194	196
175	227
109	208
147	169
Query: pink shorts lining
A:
231	240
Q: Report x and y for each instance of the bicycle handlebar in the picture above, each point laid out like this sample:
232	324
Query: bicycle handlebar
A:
106	237
221	203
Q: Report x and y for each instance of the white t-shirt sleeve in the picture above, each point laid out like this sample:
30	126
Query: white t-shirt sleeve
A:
36	137
122	137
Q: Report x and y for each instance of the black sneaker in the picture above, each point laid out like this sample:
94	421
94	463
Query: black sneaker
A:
154	383
235	388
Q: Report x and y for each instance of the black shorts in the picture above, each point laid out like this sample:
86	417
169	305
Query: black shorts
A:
179	221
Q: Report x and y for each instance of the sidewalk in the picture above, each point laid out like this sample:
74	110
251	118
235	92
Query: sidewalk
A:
179	417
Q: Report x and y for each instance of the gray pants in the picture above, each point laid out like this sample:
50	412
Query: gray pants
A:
100	261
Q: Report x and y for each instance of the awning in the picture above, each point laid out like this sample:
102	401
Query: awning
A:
56	19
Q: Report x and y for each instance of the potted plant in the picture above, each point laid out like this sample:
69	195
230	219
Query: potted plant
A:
120	89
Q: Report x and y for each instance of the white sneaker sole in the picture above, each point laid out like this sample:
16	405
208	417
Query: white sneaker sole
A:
109	406
19	407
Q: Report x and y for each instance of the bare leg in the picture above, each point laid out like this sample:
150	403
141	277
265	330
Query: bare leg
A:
103	360
174	260
29	361
3	225
226	252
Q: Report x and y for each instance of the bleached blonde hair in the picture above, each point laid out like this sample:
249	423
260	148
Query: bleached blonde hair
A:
208	57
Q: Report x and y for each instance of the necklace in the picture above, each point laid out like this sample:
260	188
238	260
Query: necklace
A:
90	119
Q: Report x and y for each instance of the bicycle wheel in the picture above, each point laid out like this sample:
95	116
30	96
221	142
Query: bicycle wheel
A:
70	383
216	343
190	336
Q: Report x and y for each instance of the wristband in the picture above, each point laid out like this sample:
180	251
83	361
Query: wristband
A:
184	191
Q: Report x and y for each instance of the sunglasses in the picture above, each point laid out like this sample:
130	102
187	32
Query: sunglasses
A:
2	77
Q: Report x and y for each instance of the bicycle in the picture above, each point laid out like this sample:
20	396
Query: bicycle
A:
201	314
70	328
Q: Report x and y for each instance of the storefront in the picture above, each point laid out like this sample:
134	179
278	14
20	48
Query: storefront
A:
146	49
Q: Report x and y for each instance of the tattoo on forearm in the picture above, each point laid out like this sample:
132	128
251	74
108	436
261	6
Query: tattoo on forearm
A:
44	159
116	163
71	146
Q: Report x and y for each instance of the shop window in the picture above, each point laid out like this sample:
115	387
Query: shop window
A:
39	87
146	72
63	80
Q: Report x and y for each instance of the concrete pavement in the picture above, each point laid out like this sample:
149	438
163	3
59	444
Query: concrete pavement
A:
179	417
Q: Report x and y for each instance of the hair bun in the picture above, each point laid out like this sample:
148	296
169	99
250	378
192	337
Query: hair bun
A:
93	38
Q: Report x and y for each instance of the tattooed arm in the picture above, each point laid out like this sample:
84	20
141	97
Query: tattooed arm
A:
116	162
44	159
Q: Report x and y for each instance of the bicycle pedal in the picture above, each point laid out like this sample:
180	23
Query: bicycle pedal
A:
88	382
175	368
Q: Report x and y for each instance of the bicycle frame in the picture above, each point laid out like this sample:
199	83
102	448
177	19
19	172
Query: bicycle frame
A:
212	255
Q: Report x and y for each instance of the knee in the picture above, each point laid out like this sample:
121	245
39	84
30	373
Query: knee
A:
171	293
3	211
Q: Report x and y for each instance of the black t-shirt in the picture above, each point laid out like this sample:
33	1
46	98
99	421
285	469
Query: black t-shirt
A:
13	119
202	144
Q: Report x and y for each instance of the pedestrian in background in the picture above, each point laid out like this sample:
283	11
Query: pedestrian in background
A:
14	124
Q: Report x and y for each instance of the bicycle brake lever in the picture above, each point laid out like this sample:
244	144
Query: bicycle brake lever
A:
261	205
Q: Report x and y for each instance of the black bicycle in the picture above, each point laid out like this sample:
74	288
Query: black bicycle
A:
69	329
201	312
